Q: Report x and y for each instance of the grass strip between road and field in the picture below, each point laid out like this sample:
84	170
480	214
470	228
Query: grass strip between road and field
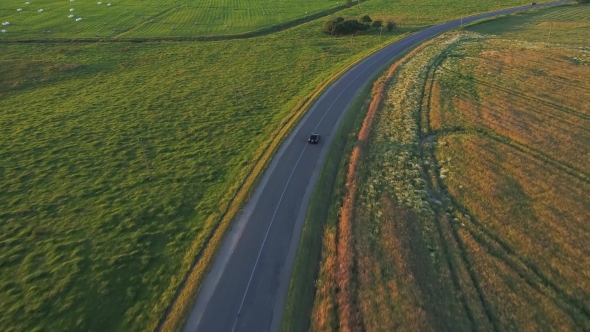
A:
328	195
182	304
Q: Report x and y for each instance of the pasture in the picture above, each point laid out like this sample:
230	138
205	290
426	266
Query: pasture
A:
118	159
185	18
466	206
149	18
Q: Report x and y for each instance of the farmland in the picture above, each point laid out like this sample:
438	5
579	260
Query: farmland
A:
118	160
150	17
185	18
465	207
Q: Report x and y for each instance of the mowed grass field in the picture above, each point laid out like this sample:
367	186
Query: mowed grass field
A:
185	18
149	18
118	160
467	203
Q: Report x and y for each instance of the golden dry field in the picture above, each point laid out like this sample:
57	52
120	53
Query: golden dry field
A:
467	202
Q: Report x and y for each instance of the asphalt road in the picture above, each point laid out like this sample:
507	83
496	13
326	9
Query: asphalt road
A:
248	282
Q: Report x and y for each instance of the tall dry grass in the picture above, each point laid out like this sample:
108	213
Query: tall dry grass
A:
345	299
324	310
516	150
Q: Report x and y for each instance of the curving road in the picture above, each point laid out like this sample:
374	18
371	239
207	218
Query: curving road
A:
248	282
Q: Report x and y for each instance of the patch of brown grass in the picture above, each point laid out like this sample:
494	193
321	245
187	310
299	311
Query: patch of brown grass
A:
532	220
535	98
346	310
515	138
324	311
435	108
395	243
518	305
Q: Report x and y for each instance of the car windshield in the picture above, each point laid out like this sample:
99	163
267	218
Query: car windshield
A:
314	136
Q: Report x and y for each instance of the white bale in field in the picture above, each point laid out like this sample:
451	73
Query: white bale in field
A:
78	19
27	3
3	31
5	23
100	2
71	9
109	4
40	10
71	16
19	9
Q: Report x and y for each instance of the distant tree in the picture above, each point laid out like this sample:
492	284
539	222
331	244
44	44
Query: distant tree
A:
366	19
377	24
329	26
583	1
340	26
348	3
391	25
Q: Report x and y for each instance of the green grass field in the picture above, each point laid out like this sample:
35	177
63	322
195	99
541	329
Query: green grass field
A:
470	202
117	160
184	18
164	18
85	127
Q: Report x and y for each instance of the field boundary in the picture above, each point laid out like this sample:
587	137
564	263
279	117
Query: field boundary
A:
177	312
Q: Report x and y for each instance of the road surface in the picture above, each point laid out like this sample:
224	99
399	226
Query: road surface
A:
248	282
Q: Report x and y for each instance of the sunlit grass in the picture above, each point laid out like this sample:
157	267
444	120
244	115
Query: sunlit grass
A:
186	18
115	157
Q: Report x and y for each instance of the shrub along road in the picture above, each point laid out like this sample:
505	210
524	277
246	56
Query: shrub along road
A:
248	283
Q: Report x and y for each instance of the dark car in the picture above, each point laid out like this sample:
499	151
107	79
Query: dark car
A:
534	3
314	139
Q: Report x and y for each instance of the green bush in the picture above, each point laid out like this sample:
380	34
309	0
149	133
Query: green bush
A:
339	26
377	24
391	25
366	19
